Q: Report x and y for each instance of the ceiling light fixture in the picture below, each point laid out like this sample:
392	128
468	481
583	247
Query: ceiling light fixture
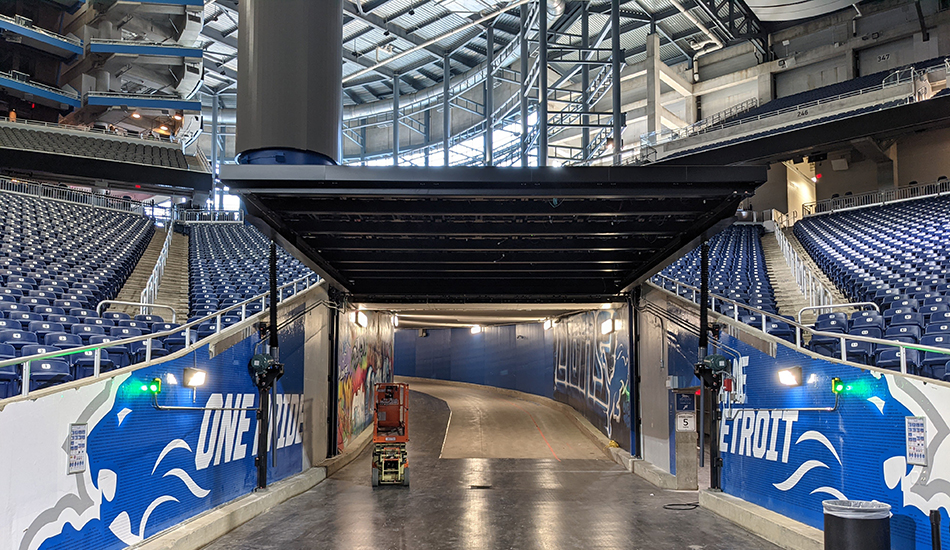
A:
476	329
136	116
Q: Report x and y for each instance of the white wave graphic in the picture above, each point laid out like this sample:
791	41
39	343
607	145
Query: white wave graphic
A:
878	402
190	483
830	491
174	444
793	479
812	435
121	527
151	508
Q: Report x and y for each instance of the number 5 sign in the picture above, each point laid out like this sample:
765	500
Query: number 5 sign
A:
686	422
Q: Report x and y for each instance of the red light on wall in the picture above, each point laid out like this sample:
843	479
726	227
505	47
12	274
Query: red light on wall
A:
32	105
138	186
817	176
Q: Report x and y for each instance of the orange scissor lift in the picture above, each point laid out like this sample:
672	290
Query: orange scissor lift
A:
390	435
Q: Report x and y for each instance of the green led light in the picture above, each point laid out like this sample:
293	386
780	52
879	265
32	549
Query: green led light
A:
153	386
837	386
144	387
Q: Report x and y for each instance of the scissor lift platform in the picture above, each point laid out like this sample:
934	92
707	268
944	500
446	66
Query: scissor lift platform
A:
390	435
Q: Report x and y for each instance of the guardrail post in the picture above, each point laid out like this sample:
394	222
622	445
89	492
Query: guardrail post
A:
148	350
903	356
25	390
97	363
844	349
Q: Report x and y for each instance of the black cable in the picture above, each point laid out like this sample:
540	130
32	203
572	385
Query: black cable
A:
681	506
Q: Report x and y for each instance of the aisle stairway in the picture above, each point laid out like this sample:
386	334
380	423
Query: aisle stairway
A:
788	297
132	289
839	298
173	290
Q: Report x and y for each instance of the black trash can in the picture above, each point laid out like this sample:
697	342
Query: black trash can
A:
857	525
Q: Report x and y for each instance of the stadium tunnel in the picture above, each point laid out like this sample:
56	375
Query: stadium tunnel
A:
618	352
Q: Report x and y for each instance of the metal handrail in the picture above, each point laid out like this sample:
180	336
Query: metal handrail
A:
99	307
51	34
89	130
208	216
665	136
815	291
150	292
147	338
71	95
799	328
876	198
65	194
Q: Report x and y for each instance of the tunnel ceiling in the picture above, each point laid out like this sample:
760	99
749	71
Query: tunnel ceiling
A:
489	234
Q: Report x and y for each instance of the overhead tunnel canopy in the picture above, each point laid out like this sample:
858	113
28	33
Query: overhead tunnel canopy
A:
483	234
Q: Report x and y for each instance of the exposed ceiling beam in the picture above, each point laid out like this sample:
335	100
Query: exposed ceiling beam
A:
383	25
218	36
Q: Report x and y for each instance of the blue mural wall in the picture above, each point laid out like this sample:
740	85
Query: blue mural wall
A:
790	460
515	357
575	363
592	370
149	469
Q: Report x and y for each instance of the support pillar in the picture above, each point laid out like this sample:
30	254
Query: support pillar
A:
396	119
654	107
427	128
543	82
616	56
766	88
490	98
523	9
585	80
290	108
214	135
446	108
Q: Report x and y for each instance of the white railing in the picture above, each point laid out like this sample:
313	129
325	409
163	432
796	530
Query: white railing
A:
47	191
668	135
206	216
877	198
71	95
203	161
190	330
51	34
150	292
86	130
692	293
816	293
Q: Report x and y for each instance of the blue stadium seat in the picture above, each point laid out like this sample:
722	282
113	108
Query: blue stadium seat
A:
933	359
46	373
17	338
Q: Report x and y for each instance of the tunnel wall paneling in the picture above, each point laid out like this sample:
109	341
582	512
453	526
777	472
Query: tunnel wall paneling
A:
574	363
515	357
789	460
147	469
592	370
365	359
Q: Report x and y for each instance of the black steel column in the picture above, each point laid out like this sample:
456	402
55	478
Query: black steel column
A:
634	382
446	107
616	59
523	9
543	83
489	97
396	119
290	108
585	79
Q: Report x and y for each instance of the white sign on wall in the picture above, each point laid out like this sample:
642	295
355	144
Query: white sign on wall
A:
916	434
77	449
686	422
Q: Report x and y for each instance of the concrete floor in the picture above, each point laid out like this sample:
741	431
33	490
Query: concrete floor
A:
498	485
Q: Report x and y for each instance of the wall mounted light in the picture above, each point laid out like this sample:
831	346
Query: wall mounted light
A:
790	376
395	320
361	319
605	306
136	116
195	377
548	324
610	325
476	329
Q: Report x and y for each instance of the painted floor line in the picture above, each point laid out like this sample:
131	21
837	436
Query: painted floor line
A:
536	426
446	434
